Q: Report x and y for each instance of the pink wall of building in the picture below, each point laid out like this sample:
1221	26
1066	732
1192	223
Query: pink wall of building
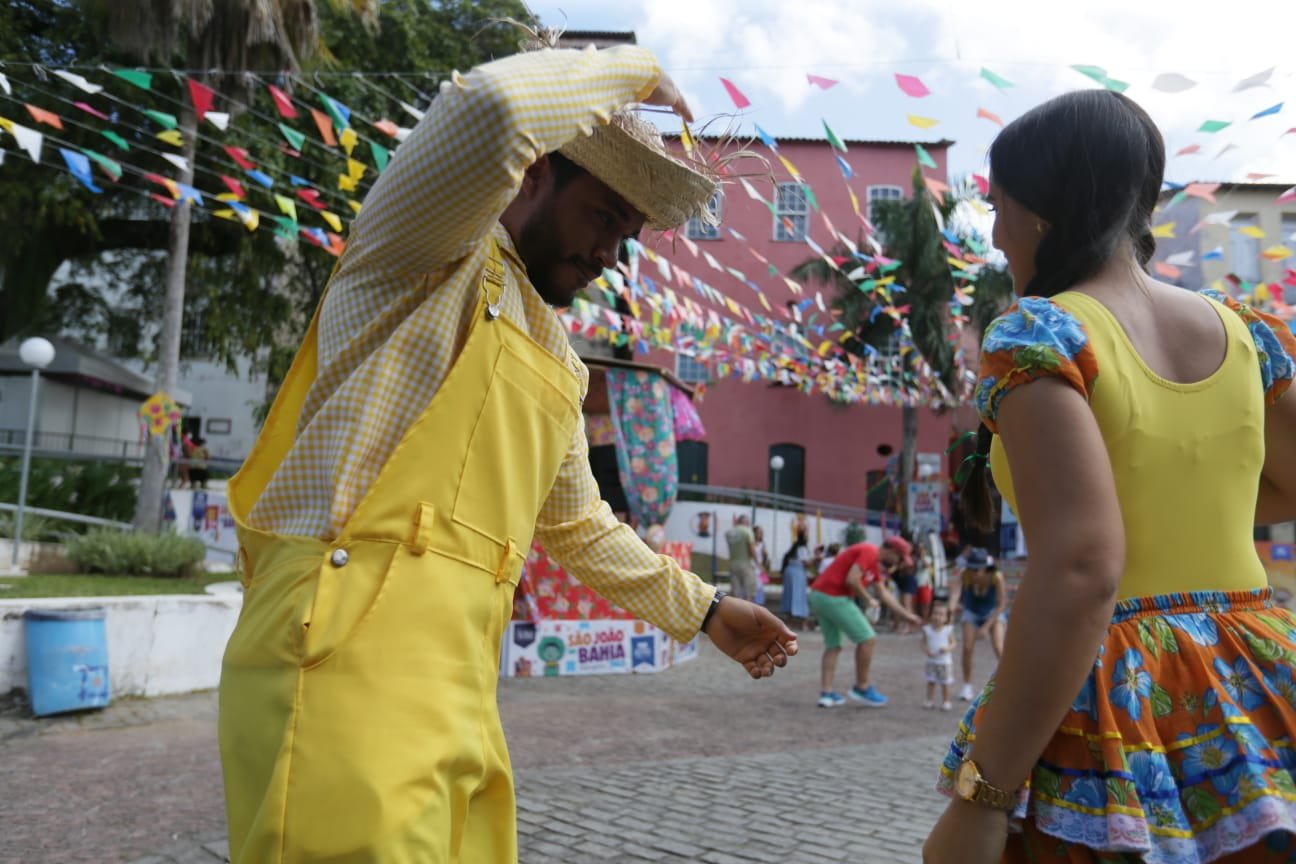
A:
744	420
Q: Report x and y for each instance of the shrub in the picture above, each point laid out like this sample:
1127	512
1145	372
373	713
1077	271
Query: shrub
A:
92	488
136	554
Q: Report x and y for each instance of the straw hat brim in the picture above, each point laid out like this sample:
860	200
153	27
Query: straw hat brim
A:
666	191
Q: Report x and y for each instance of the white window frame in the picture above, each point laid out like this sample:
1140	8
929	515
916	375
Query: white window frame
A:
696	229
798	213
690	370
878	193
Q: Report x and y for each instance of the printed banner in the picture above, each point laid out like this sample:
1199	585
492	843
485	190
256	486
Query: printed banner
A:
543	649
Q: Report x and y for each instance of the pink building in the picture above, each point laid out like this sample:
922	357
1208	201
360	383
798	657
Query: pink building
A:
832	452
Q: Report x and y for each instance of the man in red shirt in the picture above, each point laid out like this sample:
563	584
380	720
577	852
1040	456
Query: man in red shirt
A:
832	598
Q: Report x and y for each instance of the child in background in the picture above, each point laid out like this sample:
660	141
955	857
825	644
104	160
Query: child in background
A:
938	643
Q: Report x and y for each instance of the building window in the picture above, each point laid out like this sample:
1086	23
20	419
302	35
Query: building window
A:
690	370
696	229
1244	250
219	425
881	193
791	212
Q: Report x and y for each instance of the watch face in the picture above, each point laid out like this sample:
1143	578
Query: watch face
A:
965	780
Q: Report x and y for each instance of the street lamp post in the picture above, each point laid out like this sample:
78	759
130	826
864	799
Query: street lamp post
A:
776	465
36	353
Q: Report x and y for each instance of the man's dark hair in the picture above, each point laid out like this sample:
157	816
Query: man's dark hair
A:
564	169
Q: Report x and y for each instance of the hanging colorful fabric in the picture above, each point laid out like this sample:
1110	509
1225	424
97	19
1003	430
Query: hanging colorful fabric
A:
645	442
158	414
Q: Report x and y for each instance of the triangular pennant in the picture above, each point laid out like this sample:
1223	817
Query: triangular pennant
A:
1268	112
234	186
79	166
380	155
987	115
166	121
821	82
1191	148
740	101
340	114
261	177
295	138
202	97
219	119
176	160
116	139
998	81
911	86
49	118
387	127
348	139
282	102
1257	80
1213	126
765	137
172	137
78	82
922	122
142	80
92	111
832	137
1172	82
332	219
111	168
924	158
287	206
28	139
240	157
325	127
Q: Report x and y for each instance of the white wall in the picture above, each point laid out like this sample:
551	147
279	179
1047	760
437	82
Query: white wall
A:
156	645
219	395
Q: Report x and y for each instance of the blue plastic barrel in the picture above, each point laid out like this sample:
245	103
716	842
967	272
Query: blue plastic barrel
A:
67	659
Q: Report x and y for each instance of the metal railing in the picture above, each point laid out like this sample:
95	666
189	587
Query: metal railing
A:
66	445
788	503
63	516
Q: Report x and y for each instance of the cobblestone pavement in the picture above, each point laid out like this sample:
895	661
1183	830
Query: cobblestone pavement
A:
695	764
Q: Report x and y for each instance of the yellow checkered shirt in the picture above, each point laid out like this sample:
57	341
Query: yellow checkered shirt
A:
398	310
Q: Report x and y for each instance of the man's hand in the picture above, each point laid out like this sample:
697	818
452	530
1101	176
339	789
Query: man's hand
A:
668	95
751	635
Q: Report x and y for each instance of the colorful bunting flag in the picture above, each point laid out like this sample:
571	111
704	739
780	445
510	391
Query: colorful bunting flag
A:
78	81
922	122
283	103
202	97
49	118
1257	80
924	158
142	80
998	81
1213	126
911	86
832	137
987	115
79	166
1268	112
820	82
740	101
1172	82
325	127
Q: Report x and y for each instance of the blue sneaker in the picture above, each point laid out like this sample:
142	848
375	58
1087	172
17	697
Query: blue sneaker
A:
868	696
831	700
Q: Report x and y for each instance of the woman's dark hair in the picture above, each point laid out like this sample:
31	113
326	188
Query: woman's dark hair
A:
1090	164
802	539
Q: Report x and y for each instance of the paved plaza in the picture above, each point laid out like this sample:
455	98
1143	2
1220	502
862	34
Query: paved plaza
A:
695	764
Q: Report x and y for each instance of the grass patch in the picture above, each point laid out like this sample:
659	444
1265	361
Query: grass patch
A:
99	585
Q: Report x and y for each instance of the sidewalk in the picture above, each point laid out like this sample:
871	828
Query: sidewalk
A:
696	764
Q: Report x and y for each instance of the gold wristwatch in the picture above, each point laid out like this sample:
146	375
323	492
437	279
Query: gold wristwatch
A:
971	786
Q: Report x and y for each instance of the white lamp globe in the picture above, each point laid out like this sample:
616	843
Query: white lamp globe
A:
36	352
776	462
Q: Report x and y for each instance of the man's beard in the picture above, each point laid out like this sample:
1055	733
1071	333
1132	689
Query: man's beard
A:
538	247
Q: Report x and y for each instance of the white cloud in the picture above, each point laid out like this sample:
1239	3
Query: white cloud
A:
766	47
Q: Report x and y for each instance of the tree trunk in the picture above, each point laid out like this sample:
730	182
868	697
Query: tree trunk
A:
148	509
908	447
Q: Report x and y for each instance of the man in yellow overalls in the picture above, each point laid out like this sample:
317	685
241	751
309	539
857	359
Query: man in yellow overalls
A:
430	425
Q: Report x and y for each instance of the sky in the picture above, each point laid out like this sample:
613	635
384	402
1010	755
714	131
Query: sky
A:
766	48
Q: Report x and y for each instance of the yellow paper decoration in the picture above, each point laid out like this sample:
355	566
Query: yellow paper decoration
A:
1165	229
159	413
922	122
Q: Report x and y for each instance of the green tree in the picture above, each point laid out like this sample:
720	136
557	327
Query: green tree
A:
912	231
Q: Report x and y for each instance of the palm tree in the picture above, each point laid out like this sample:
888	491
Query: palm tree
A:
912	232
219	39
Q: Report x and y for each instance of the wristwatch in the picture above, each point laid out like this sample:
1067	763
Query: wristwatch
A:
715	604
971	786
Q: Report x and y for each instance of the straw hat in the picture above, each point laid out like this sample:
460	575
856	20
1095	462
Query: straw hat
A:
628	155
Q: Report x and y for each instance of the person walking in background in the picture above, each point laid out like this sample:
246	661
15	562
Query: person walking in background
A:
762	559
833	596
938	643
742	559
198	461
980	598
793	604
1144	709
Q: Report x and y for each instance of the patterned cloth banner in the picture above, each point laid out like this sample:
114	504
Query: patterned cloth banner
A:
645	442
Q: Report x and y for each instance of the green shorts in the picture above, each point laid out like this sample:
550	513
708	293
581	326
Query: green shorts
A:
837	616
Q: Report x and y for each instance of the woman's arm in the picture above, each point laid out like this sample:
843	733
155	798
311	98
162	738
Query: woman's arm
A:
1070	513
1001	592
1277	499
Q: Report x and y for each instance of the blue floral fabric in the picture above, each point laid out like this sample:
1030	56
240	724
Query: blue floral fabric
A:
1181	744
1274	341
1034	338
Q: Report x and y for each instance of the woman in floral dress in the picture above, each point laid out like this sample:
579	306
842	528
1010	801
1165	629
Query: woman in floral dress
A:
1144	709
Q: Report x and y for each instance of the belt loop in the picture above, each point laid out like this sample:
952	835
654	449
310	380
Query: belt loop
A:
506	561
424	518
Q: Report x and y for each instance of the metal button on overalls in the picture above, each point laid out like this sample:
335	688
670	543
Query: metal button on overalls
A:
339	558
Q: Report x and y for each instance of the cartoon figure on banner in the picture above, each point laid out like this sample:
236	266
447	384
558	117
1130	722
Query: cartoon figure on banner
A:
198	511
522	668
702	524
551	651
641	651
